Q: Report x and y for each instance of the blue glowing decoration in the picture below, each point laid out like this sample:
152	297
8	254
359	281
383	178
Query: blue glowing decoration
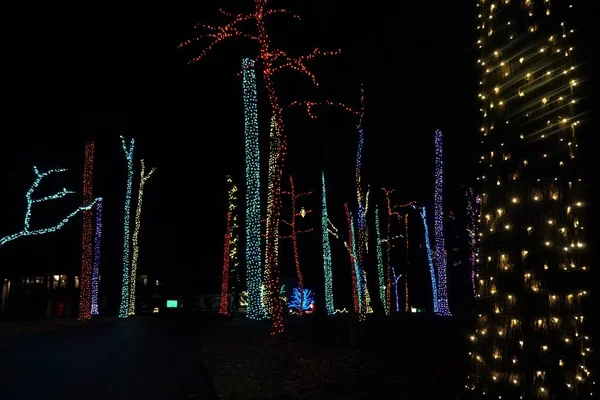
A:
27	230
440	246
96	270
124	306
423	214
380	268
295	300
326	252
255	308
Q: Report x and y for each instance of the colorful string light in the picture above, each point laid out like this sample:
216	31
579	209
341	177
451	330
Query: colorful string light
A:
434	290
329	304
380	268
86	236
273	154
96	270
350	247
224	308
388	248
27	230
294	231
471	232
253	253
531	337
124	306
233	240
406	298
136	232
357	272
272	60
440	246
396	278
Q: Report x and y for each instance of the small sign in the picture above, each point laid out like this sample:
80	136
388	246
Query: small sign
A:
172	304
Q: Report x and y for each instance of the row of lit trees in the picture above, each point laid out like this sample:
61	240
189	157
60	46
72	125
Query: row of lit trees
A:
90	264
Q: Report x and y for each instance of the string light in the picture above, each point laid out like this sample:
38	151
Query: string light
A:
253	253
388	247
350	247
234	240
434	290
136	232
530	332
27	230
294	233
273	154
358	272
223	308
440	247
329	306
396	278
96	270
472	233
85	279
124	306
272	60
406	302
380	269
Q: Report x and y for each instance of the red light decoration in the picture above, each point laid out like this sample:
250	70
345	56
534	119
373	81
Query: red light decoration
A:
272	60
294	233
224	309
85	286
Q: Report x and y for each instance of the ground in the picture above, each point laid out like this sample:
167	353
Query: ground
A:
409	357
138	358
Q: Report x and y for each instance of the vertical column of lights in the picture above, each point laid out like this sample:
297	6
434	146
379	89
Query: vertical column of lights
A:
530	339
434	290
396	278
253	253
329	304
223	308
273	60
273	154
357	272
363	203
380	268
124	306
440	247
406	299
350	246
27	230
136	233
86	235
234	259
294	232
471	232
388	248
96	270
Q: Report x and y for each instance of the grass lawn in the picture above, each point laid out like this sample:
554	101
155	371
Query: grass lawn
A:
406	357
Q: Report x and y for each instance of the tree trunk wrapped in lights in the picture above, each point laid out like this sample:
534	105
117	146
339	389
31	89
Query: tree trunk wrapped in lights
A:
530	340
85	286
272	60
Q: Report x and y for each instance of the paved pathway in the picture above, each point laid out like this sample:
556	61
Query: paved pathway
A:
138	358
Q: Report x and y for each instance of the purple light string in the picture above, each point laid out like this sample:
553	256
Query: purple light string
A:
96	269
396	289
440	246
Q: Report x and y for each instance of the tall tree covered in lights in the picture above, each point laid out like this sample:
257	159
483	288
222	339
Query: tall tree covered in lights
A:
124	306
85	286
229	246
136	233
440	240
271	60
96	269
531	340
329	303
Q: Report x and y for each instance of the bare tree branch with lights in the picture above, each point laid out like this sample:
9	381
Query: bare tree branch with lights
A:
27	230
294	231
272	60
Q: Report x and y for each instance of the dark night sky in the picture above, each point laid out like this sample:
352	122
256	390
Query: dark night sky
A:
96	73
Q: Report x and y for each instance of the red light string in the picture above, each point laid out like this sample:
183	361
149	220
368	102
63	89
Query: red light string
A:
224	309
85	287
